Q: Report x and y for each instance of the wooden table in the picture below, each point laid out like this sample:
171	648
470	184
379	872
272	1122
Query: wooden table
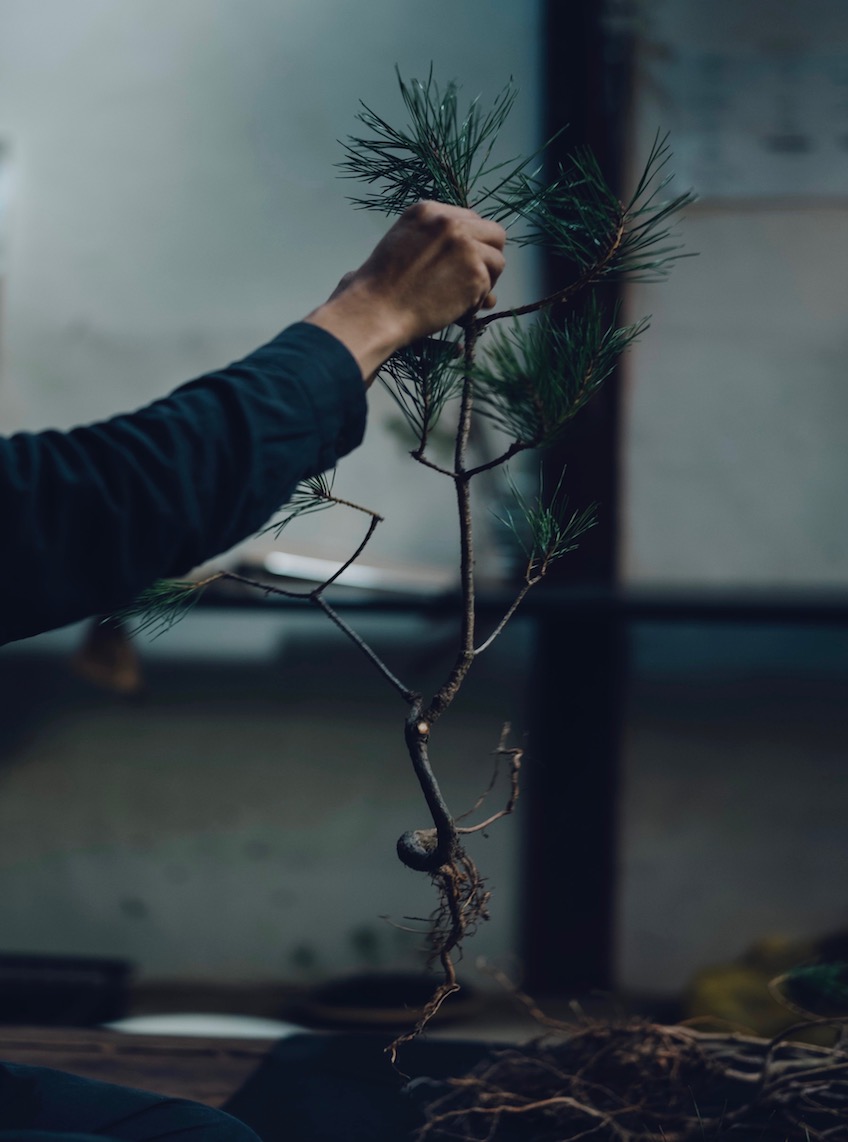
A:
208	1070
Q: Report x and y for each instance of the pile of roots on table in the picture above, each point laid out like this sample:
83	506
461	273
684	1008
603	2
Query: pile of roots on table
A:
636	1081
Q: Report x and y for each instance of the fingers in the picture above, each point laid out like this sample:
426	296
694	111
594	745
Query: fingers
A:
459	218
487	240
490	239
486	231
494	262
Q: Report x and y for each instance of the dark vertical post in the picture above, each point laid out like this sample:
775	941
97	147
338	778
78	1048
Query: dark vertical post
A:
576	686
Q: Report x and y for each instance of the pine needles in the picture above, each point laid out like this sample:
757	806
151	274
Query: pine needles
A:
315	494
535	378
440	155
543	527
421	379
162	605
578	216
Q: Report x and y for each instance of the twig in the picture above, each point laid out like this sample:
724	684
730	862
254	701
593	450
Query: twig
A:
513	608
404	691
375	519
268	588
515	769
513	450
592	274
418	455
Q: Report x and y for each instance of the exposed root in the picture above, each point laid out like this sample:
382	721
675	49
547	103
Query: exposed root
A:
515	756
463	904
636	1081
463	898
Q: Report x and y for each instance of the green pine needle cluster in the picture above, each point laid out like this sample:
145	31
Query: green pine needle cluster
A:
535	378
579	217
314	494
162	605
543	527
421	379
441	155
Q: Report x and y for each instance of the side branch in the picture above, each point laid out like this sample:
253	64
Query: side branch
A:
266	588
519	599
375	519
316	596
418	455
356	507
588	277
513	450
408	695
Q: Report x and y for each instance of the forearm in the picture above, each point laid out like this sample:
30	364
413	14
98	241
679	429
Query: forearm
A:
367	328
94	515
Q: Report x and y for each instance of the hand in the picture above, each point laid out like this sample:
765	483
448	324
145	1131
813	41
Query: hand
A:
436	264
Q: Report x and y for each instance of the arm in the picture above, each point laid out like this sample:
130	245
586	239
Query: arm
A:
95	514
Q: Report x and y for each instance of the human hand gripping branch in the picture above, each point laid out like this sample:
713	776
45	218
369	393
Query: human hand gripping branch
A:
437	264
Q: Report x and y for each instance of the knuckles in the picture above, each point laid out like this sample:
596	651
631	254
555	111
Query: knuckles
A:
449	231
427	212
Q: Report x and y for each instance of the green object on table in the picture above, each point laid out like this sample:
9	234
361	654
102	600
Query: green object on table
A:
819	991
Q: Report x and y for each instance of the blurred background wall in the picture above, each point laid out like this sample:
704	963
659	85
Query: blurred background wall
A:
173	203
735	470
735	447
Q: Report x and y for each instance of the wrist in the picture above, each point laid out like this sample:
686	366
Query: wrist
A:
366	325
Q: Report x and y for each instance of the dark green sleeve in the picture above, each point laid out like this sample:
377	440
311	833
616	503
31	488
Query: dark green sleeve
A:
90	517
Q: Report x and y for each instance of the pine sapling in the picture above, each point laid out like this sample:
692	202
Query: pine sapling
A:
527	371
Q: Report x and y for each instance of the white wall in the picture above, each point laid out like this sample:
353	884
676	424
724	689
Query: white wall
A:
176	200
736	445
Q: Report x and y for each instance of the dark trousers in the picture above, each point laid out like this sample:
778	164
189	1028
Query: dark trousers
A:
38	1104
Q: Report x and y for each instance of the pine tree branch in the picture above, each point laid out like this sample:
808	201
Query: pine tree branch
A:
516	603
319	601
356	507
375	519
422	459
593	274
537	377
513	450
316	591
266	588
315	596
